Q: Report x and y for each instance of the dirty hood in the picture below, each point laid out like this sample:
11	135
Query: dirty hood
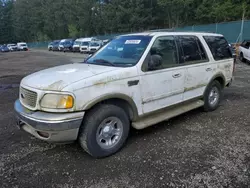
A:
56	78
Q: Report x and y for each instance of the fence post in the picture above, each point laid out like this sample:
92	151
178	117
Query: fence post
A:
216	28
242	28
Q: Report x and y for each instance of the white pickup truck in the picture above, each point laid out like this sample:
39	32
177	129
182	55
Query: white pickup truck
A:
135	80
244	51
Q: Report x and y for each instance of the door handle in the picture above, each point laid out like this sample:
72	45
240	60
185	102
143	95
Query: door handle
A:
133	82
177	75
208	69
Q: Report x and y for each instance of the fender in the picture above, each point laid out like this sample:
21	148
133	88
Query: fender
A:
113	96
218	75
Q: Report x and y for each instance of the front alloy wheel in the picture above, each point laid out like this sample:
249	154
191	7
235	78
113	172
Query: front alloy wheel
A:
104	130
109	132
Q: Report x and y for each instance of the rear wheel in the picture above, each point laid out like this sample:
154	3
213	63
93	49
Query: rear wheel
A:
104	131
212	96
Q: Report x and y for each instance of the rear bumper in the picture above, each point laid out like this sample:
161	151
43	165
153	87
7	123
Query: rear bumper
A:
52	127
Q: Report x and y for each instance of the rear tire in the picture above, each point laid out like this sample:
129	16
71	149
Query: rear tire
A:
212	96
104	131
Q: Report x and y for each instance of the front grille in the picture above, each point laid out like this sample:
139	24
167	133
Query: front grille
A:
28	97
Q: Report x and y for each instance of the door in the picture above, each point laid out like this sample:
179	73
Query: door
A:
198	69
222	57
162	79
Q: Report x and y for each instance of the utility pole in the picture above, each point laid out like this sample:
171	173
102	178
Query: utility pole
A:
242	23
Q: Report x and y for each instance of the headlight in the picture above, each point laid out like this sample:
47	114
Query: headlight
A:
57	101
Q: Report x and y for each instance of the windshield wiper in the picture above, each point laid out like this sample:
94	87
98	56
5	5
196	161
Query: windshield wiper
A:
104	61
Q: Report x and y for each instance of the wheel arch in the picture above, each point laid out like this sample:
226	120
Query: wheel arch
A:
218	77
118	99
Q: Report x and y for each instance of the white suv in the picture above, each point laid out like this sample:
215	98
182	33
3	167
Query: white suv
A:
244	51
136	80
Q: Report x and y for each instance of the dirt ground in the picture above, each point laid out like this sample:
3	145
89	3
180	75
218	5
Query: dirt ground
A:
196	149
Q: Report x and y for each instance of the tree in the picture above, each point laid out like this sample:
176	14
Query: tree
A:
41	20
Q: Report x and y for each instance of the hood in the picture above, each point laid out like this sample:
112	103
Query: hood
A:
57	78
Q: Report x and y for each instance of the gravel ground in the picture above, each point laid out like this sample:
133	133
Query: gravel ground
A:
196	149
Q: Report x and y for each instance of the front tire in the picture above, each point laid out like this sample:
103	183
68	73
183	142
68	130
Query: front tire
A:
104	131
242	59
213	95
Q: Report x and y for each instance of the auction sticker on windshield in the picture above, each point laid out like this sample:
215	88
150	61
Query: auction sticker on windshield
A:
132	41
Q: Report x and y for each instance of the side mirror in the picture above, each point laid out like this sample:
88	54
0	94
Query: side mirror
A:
155	62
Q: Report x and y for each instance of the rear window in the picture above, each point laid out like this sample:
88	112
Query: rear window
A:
219	47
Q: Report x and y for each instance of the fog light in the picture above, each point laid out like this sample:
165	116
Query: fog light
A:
43	134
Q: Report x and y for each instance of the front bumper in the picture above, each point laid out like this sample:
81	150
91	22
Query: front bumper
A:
84	50
92	50
76	49
58	127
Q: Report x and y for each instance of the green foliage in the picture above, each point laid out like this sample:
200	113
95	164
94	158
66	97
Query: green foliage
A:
39	20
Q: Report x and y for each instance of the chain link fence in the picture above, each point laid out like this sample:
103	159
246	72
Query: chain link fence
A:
233	32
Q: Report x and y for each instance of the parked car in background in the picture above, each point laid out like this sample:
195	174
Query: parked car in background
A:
22	46
136	80
12	47
50	46
61	45
68	45
55	45
233	49
4	48
244	51
106	41
94	46
84	48
77	44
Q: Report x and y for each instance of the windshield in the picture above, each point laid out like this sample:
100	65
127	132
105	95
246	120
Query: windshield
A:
23	45
95	44
77	42
85	43
122	51
68	42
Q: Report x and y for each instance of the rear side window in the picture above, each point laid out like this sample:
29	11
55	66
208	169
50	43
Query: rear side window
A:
219	47
192	49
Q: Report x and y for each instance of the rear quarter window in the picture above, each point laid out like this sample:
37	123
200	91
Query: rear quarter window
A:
219	47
